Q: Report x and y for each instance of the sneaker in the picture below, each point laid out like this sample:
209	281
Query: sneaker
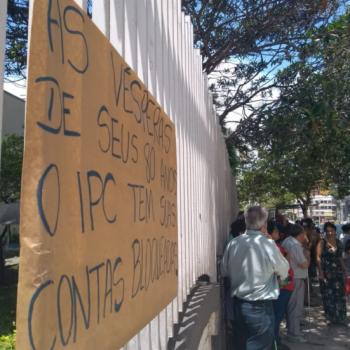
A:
296	339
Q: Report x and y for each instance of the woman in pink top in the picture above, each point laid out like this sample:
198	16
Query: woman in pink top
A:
286	287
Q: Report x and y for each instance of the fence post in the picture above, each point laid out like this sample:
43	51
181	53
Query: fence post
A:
82	3
3	16
101	16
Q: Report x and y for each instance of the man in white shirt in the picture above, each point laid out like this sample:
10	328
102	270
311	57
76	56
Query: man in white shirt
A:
252	262
299	263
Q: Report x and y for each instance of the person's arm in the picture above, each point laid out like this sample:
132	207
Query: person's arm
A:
308	242
305	264
319	250
342	266
281	264
224	261
299	257
340	257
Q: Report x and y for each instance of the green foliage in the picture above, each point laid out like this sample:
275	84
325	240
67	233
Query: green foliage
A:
245	45
261	184
254	38
8	297
16	39
233	158
8	342
302	140
11	168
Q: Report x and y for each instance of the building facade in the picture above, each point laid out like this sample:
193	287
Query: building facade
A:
323	208
13	115
343	210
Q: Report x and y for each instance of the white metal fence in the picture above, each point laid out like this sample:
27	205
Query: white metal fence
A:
156	39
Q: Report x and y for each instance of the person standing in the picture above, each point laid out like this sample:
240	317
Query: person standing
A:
252	262
332	272
299	264
313	238
286	288
345	235
237	228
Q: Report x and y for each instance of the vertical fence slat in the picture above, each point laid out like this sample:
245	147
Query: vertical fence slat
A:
193	116
143	50
170	75
185	162
151	45
142	40
101	16
117	25
159	46
156	40
177	15
82	4
163	316
197	155
155	324
179	147
188	156
130	28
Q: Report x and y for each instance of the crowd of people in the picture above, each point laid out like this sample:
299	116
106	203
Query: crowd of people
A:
269	267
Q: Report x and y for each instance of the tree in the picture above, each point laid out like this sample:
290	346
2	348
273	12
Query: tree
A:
11	168
329	54
301	140
16	39
259	183
254	38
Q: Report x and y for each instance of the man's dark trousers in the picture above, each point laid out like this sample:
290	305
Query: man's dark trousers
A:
254	322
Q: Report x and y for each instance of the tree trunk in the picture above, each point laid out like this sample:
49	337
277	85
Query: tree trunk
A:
304	205
276	211
304	209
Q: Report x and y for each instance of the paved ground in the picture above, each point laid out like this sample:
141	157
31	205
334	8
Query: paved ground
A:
321	336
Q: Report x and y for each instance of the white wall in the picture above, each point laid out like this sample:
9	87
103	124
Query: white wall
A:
13	115
156	39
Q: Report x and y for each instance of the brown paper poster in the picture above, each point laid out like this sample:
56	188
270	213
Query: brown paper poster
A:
98	205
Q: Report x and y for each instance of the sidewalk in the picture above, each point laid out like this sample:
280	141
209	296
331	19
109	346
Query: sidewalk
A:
320	335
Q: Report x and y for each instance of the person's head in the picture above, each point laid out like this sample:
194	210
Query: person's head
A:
297	232
307	224
346	228
238	227
330	230
281	219
272	230
240	214
256	218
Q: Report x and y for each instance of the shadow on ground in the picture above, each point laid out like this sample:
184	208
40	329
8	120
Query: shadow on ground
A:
321	336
